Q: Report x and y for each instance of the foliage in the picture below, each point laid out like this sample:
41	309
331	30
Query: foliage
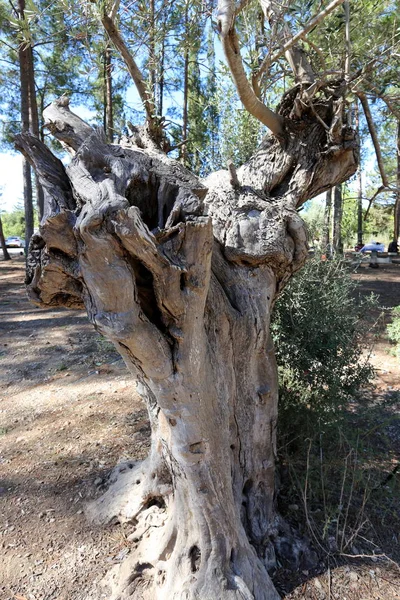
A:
313	216
14	222
393	329
335	452
319	332
341	481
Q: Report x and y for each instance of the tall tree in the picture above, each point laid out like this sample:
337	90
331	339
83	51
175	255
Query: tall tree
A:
27	89
6	255
108	95
337	220
359	186
396	231
181	273
326	237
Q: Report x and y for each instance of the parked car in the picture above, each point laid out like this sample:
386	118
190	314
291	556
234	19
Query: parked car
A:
15	242
373	247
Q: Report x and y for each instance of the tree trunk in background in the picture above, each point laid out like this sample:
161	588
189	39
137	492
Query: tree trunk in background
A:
25	121
161	76
337	220
152	52
185	87
396	232
108	95
6	255
360	220
34	122
325	245
181	274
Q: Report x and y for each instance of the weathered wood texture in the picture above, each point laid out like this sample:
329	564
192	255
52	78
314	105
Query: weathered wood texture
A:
181	275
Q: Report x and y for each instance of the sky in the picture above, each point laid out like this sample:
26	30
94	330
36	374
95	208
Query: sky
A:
11	181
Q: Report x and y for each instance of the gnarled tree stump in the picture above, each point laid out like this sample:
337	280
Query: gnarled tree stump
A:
181	274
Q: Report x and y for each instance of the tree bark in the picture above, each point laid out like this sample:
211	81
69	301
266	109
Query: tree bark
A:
360	227
181	274
34	122
152	51
161	77
108	95
25	122
6	255
327	222
185	118
396	232
337	220
360	221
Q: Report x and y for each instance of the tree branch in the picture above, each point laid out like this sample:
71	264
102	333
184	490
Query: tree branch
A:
226	24
371	201
241	6
269	60
67	127
374	136
388	101
114	10
134	71
51	172
348	42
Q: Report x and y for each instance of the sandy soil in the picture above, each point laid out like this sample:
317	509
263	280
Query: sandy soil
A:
68	413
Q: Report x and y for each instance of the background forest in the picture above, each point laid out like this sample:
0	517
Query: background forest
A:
50	49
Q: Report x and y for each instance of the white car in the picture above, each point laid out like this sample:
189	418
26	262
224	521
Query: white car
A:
15	242
373	247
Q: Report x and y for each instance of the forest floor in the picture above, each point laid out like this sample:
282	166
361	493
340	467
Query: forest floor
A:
69	412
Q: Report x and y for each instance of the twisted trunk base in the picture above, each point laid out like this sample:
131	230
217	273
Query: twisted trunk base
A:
203	502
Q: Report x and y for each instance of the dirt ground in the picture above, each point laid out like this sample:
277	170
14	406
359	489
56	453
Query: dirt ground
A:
68	413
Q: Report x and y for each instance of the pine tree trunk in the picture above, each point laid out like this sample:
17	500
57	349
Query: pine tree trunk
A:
34	122
360	220
161	76
181	274
327	222
6	255
337	220
25	121
152	51
360	227
396	232
108	95
185	88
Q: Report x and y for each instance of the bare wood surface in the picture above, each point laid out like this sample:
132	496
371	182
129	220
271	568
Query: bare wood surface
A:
66	126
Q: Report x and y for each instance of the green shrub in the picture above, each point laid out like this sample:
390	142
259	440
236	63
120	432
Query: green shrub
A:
393	329
319	330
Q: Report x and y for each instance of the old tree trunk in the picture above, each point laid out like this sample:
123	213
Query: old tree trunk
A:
181	274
